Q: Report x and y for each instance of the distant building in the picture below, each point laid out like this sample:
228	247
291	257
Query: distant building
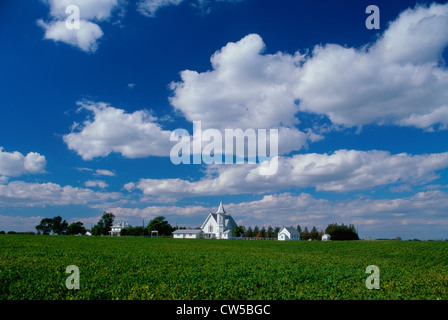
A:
326	237
116	229
217	225
187	234
288	234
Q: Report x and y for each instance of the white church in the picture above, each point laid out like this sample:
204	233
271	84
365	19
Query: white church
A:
217	225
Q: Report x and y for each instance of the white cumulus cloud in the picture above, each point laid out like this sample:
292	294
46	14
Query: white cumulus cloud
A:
24	194
396	80
399	79
133	135
90	14
96	184
245	89
14	164
343	170
85	38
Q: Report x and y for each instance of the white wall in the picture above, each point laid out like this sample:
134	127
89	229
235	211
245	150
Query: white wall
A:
282	236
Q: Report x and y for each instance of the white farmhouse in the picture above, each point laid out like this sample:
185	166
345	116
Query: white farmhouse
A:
116	228
217	225
288	233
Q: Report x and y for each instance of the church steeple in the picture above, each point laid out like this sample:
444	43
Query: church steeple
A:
220	215
221	209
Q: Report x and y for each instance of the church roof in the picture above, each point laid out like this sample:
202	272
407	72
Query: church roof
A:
221	208
291	230
229	222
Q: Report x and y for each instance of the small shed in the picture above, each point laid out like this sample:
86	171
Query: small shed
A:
326	237
187	234
288	234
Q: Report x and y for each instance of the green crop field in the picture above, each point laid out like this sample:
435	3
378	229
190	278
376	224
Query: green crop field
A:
34	267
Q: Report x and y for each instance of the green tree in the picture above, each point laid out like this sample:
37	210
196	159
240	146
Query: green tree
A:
320	234
261	233
275	233
249	232
59	226
104	225
342	232
255	231
161	225
45	226
305	235
313	235
134	231
237	232
269	232
76	228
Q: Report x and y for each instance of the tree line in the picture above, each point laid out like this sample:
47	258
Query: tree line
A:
336	232
59	226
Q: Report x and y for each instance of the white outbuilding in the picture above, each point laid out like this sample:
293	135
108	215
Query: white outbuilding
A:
326	237
288	234
187	234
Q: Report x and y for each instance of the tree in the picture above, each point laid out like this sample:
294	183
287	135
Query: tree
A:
76	228
255	231
45	226
275	233
104	225
269	232
237	231
261	233
59	226
134	231
249	233
299	229
161	225
305	235
342	232
320	234
313	233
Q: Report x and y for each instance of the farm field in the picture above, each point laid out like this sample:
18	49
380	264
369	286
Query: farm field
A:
33	267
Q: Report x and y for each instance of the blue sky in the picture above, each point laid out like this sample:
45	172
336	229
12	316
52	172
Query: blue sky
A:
362	114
